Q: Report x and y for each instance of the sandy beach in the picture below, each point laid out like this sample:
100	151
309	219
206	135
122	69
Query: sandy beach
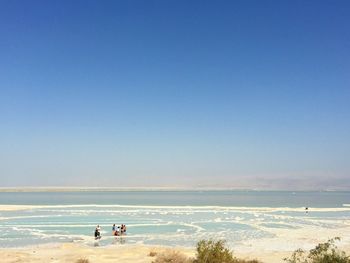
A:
71	252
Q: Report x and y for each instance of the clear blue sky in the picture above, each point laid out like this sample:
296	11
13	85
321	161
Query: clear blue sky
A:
175	93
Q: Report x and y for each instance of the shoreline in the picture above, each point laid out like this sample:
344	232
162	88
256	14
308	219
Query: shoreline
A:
124	253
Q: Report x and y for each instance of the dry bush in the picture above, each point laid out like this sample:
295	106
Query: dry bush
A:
172	256
237	260
82	260
152	254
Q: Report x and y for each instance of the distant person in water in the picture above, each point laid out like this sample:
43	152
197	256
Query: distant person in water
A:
123	229
98	232
113	229
117	232
306	210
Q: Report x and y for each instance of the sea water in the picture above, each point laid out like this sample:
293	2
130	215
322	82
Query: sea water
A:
273	220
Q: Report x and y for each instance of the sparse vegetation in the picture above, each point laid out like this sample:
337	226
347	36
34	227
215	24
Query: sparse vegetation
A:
152	254
172	256
326	252
210	251
82	260
237	260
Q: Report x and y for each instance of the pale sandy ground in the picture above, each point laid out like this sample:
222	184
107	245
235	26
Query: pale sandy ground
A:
71	252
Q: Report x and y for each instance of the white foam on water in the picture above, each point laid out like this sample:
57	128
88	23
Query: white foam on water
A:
32	216
286	231
16	207
193	225
51	225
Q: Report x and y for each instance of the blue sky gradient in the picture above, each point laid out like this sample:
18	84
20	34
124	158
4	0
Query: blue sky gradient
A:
251	94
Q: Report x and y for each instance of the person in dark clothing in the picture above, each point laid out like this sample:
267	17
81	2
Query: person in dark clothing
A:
97	232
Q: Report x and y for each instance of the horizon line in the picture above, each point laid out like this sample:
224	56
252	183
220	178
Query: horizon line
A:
152	188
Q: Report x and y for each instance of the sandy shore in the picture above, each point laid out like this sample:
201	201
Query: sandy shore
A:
71	252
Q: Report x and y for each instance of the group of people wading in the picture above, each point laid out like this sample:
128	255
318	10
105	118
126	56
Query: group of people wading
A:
119	231
116	231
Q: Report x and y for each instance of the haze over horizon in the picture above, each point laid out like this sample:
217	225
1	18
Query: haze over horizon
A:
242	94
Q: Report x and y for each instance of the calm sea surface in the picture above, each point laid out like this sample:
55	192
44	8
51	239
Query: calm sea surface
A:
245	219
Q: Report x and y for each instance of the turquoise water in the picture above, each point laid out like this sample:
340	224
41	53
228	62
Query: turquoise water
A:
217	198
242	218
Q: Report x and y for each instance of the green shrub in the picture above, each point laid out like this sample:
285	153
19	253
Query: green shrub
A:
326	252
210	251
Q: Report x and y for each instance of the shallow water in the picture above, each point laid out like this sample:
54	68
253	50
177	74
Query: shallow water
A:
243	218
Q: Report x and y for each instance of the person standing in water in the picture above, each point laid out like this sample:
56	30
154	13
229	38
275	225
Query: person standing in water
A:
123	229
98	232
113	230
